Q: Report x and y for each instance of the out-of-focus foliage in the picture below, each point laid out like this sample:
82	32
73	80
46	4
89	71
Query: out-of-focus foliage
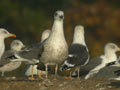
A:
101	20
28	18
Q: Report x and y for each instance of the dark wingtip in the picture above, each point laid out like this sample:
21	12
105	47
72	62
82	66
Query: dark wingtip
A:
64	67
11	57
42	67
117	72
110	64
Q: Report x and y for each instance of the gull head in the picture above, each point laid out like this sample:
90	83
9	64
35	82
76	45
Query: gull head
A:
17	45
5	34
79	29
79	35
111	47
59	15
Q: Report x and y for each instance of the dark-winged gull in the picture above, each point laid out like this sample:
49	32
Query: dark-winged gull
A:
55	48
4	34
97	63
6	65
78	52
32	69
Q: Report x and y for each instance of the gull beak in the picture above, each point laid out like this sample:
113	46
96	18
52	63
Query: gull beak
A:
12	35
118	49
23	46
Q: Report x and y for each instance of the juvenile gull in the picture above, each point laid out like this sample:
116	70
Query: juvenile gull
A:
78	52
55	48
32	69
51	51
3	35
97	63
6	65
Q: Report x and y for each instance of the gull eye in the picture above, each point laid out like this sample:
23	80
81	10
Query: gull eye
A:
61	17
4	32
17	43
55	14
113	47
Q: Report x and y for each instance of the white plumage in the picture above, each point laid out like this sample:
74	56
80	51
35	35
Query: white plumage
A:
4	34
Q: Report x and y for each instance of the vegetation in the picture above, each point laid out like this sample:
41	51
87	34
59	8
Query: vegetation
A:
28	18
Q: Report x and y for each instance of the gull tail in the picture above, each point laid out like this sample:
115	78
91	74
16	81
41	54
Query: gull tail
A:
117	72
65	67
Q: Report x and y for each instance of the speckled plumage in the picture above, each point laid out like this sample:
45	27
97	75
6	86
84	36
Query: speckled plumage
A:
55	47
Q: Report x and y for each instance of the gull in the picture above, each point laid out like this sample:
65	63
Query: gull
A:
3	35
97	63
32	69
78	52
55	48
6	65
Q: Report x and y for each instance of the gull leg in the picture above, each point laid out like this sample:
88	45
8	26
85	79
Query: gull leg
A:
56	68
32	77
70	77
78	73
46	69
39	74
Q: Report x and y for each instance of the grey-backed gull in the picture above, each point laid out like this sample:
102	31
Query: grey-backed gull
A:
97	63
32	69
6	65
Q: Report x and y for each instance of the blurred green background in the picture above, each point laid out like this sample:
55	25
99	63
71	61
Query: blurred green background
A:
28	18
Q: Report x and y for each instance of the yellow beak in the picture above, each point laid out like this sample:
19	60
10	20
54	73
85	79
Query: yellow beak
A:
12	35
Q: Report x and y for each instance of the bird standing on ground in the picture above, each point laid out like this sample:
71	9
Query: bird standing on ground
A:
32	69
6	65
30	55
52	51
55	48
3	35
97	63
78	52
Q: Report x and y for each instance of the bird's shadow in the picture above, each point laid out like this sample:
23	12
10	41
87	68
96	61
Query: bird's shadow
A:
115	84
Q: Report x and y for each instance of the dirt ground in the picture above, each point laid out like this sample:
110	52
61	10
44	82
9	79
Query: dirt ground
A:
59	84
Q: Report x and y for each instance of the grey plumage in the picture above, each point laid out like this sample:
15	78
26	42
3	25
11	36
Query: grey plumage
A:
96	64
29	68
91	65
107	72
6	65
